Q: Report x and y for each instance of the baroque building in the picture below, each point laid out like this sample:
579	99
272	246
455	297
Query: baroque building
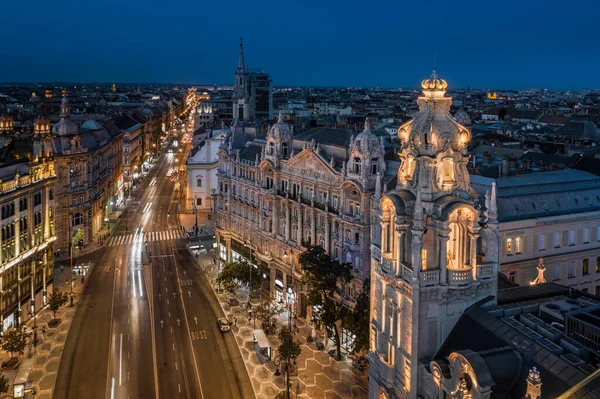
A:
276	192
434	249
89	184
27	219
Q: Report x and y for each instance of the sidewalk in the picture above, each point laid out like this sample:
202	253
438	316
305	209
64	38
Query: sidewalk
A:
47	354
319	375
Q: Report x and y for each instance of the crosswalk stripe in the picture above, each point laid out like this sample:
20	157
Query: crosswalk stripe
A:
112	241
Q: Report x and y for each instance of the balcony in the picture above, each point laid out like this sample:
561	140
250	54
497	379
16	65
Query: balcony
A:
388	265
406	273
486	270
430	277
460	277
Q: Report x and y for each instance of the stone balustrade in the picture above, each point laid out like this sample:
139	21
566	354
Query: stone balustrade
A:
406	273
486	270
430	277
460	276
388	265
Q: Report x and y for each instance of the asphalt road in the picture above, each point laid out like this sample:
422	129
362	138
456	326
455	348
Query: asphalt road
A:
146	325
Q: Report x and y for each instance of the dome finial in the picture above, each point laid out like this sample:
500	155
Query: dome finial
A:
280	118
367	125
434	83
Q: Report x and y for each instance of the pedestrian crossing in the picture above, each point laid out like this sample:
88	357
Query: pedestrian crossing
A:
150	236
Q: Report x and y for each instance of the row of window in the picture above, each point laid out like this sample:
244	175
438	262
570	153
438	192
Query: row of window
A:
8	210
514	245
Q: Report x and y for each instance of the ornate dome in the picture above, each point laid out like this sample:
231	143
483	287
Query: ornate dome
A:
366	142
280	130
65	127
434	83
462	117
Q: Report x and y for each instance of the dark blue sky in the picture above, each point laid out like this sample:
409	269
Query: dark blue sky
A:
385	43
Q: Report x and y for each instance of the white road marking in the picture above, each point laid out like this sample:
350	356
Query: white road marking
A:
121	359
140	280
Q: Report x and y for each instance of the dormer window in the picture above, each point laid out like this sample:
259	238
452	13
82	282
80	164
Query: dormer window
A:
374	166
356	165
284	149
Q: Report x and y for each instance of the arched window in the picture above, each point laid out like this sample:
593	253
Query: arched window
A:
356	165
284	149
199	182
410	166
374	166
271	149
447	171
51	194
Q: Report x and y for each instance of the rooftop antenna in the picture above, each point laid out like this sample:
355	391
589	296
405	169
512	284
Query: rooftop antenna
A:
434	54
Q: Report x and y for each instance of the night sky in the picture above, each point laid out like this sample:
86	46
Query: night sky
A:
385	43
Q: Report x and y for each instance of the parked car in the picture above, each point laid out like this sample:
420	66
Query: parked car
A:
223	324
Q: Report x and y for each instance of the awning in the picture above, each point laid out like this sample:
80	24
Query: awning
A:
261	339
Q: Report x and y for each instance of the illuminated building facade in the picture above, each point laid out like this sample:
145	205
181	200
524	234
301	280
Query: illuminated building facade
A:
89	171
27	220
276	193
434	250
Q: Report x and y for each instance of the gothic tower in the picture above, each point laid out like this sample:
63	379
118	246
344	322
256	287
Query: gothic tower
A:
240	92
434	250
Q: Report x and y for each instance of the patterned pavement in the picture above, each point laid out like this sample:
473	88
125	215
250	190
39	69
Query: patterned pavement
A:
318	375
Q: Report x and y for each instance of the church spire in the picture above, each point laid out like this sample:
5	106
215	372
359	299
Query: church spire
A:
241	66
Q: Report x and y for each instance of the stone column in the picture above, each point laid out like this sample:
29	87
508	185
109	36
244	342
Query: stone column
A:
443	238
300	224
228	250
327	235
417	237
288	221
473	237
260	212
399	250
313	228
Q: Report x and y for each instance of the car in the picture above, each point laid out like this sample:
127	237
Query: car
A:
170	172
170	151
223	324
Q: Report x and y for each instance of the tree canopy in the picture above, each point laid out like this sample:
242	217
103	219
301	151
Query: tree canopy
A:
14	340
357	321
324	278
236	274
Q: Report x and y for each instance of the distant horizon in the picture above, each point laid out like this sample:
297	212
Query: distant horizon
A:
41	83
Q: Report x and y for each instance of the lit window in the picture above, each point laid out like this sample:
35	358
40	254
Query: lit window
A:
509	246
519	244
585	266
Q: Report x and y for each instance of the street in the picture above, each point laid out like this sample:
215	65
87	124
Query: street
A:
146	325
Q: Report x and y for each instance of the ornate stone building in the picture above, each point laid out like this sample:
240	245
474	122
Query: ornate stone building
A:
434	249
27	219
89	171
276	192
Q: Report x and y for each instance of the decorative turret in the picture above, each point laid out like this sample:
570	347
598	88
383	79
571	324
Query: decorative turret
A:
42	146
65	127
366	157
6	127
279	140
434	146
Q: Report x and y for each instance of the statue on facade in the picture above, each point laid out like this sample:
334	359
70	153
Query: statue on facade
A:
540	279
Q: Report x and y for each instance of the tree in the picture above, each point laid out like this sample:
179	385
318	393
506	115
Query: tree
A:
237	274
15	340
324	277
56	300
357	321
288	344
4	385
266	311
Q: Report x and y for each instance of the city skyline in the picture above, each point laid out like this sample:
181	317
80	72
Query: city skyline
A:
388	45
